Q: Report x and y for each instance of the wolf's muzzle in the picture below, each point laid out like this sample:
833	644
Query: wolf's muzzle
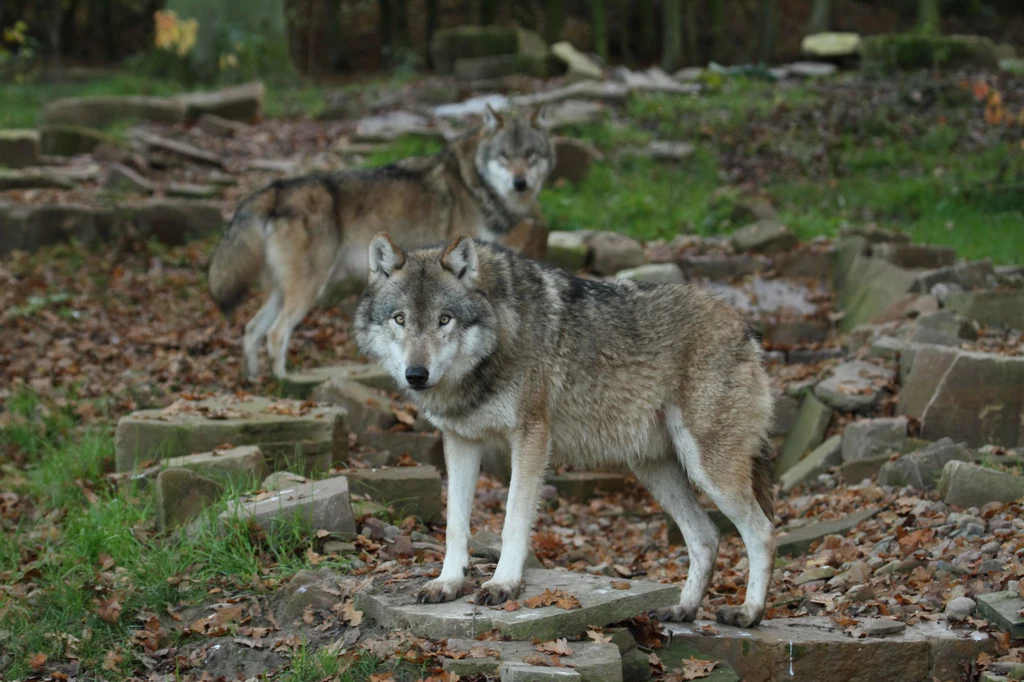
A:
520	184
417	376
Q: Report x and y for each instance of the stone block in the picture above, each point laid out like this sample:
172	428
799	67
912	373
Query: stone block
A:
318	505
807	432
873	438
799	540
181	495
818	461
411	491
854	386
301	384
237	467
970	485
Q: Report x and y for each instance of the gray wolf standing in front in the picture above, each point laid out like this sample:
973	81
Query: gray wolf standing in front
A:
667	379
304	233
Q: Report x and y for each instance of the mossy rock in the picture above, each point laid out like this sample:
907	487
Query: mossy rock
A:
472	42
906	51
72	140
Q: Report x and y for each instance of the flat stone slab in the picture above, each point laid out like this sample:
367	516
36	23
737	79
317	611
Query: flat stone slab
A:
239	467
410	490
799	540
289	433
318	505
1004	610
590	661
301	384
963	484
601	604
816	650
854	386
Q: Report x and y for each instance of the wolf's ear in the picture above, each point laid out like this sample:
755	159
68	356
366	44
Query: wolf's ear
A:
492	119
385	257
460	260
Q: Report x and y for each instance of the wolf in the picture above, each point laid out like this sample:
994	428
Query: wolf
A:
500	350
304	233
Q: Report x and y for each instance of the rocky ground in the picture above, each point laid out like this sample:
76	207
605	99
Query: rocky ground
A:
897	366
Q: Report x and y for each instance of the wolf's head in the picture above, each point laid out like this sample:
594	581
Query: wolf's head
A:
515	157
423	316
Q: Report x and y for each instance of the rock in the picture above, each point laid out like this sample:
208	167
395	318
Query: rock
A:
990	566
931	363
817	462
487	545
498	66
949	323
282	479
468	42
573	159
28	228
71	140
188	190
854	386
831	44
175	221
411	491
807	69
366	407
668	150
655	273
240	467
590	661
799	540
306	507
786	409
922	469
863	469
817	650
301	384
181	495
583	485
178	148
915	256
978	400
764	236
600	606
803	263
872	285
636	666
874	437
613	252
654	80
121	178
1003	609
580	65
316	590
970	485
568	250
814	574
722	267
217	126
807	432
991	308
103	112
237	103
389	447
32	178
881	627
912	51
19	148
289	435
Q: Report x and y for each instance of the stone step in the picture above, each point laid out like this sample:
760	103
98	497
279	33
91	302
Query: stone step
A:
290	435
317	505
1004	609
592	662
301	384
815	649
411	491
601	604
799	540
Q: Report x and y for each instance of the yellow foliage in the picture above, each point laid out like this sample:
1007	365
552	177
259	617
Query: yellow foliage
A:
16	34
174	34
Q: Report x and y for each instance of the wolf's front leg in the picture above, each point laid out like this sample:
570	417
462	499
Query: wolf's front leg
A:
529	462
462	459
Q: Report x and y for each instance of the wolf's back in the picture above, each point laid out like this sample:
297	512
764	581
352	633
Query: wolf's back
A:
239	257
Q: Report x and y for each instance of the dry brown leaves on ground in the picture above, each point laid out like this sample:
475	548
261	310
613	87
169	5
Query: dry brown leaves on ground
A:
559	598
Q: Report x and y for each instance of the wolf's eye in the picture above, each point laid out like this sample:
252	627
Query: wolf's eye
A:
400	319
445	319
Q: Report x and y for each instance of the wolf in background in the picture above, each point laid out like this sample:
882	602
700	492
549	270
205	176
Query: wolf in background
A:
304	233
667	379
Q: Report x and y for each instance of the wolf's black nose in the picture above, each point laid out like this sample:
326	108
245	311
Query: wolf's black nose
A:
417	376
519	184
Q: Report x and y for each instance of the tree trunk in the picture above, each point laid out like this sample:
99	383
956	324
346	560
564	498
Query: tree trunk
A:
672	43
67	27
336	37
716	18
928	21
554	19
648	30
433	20
690	32
625	15
766	31
386	22
400	35
55	20
599	25
821	16
488	12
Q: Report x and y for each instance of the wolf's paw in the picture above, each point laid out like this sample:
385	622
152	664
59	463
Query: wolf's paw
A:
493	593
437	591
677	614
740	616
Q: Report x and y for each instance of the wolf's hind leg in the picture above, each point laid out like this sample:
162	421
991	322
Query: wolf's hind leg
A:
462	460
256	329
667	483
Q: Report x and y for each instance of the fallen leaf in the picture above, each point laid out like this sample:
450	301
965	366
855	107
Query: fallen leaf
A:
598	637
37	662
511	605
112	660
110	610
621	585
559	646
695	669
351	615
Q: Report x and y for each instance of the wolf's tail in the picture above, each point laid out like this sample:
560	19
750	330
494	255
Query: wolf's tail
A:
240	256
764	480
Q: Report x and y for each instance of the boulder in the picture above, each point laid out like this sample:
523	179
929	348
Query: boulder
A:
387	448
818	461
765	236
71	140
854	386
103	112
181	495
970	485
922	469
579	65
870	286
654	273
911	51
238	467
978	400
289	434
317	590
829	44
807	432
991	308
859	470
411	491
568	250
307	507
237	103
19	148
948	323
613	252
873	438
929	365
